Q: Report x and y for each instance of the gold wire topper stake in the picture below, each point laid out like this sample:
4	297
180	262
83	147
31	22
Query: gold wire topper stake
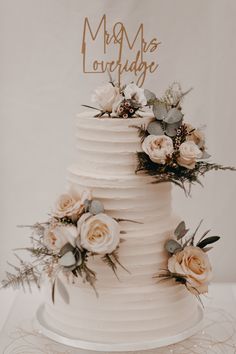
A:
116	48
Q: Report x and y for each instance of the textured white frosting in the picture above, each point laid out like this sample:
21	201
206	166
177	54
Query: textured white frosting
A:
136	307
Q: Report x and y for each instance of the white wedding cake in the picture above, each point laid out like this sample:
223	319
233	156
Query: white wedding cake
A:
120	271
133	310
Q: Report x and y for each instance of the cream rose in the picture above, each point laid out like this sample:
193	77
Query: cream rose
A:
193	263
195	135
105	96
189	152
70	204
56	236
135	93
158	147
99	233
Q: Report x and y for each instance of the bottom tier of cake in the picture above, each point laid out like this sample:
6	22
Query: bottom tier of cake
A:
136	311
123	319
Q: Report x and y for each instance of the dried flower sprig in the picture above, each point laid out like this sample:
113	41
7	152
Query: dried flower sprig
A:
172	97
188	263
23	275
112	260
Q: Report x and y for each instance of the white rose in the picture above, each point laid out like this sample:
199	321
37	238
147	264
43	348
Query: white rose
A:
158	147
56	236
195	135
193	263
99	233
105	96
189	152
135	93
70	204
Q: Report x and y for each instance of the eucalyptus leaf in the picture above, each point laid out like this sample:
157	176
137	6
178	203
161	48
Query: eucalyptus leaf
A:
96	207
155	128
181	230
207	241
173	116
172	246
171	129
67	260
150	96
87	204
62	291
66	248
173	121
78	256
159	110
205	155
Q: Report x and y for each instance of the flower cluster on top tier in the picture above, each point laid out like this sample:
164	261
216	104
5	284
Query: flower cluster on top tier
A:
169	139
77	230
173	150
119	102
188	263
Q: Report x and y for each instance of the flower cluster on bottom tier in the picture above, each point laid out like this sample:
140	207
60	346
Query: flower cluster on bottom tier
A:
136	307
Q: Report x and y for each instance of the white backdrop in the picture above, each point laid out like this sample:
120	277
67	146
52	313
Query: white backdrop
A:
42	87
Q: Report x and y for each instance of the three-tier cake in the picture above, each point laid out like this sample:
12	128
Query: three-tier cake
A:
135	311
120	270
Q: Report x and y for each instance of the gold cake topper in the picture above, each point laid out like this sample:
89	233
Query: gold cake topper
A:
116	52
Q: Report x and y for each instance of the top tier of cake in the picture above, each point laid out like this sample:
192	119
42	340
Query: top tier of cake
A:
107	146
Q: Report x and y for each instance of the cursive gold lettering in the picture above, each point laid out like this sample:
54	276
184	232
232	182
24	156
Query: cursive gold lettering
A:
119	39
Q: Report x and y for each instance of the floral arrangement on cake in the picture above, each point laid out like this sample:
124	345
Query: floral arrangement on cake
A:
173	150
188	263
118	101
77	230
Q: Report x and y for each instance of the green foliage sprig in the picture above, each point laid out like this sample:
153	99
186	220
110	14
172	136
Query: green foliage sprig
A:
172	172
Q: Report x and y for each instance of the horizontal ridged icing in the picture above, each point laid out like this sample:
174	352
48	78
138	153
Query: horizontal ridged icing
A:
108	145
136	307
